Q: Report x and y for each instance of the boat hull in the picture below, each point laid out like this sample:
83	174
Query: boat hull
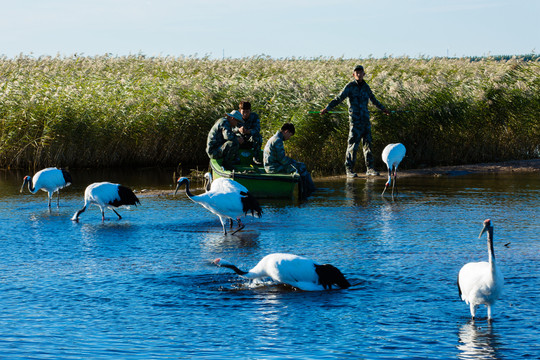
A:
259	183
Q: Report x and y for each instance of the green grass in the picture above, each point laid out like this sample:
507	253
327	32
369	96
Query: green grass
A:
141	111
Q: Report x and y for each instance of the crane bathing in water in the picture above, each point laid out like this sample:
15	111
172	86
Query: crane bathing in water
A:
392	156
296	271
225	198
50	180
481	282
107	195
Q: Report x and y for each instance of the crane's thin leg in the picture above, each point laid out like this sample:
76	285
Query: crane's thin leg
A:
223	222
473	309
386	185
240	226
394	184
119	217
58	199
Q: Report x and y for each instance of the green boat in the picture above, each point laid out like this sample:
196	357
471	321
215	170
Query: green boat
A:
255	179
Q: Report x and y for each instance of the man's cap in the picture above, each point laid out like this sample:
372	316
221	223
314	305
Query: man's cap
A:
358	68
237	115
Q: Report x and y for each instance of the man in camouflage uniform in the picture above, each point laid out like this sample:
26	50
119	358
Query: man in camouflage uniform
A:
275	160
358	93
222	142
250	131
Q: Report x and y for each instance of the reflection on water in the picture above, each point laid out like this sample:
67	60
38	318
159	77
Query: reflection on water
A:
360	192
477	342
217	242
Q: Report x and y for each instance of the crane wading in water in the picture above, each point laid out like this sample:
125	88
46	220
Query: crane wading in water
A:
225	198
107	195
392	156
50	180
481	282
296	271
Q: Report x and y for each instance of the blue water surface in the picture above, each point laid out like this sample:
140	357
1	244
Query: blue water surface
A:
144	287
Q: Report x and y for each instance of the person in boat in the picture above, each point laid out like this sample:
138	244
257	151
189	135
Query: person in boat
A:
275	160
250	131
358	93
222	142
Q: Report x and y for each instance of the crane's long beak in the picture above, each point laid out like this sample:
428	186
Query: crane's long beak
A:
24	183
176	190
484	229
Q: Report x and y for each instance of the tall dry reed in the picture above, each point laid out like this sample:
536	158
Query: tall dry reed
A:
141	111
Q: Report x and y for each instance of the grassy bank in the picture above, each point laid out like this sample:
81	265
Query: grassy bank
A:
138	111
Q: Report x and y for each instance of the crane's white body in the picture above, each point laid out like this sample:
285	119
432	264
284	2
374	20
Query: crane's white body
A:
481	283
223	199
101	194
50	180
288	269
392	156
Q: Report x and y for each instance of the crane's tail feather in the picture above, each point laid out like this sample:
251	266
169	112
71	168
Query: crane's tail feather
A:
250	204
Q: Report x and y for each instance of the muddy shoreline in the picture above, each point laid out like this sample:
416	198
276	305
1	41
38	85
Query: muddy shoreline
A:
521	166
516	166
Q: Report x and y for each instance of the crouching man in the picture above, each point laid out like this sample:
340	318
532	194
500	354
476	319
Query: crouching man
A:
222	142
275	160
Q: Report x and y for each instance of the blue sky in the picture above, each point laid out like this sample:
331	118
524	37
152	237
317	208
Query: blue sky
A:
278	28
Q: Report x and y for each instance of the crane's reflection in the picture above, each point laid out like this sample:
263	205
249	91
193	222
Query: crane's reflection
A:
477	342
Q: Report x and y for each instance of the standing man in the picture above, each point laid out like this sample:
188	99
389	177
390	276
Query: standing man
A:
251	131
358	93
222	142
275	160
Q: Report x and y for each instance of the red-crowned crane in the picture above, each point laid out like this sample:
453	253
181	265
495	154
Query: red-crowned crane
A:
50	180
225	198
481	282
392	156
107	195
296	271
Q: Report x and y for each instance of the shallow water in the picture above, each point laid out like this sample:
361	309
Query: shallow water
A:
143	287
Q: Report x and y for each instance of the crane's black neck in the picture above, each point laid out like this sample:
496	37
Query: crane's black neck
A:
235	269
188	191
30	184
491	250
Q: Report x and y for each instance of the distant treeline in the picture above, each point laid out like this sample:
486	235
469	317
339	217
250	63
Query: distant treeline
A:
157	111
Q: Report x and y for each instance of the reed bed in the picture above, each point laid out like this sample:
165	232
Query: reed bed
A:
156	111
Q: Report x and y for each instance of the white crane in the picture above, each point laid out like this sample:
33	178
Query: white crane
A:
225	198
481	282
50	180
107	195
296	271
392	156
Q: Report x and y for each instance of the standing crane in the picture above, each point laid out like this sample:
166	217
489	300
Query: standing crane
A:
50	180
392	156
481	282
107	195
225	198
